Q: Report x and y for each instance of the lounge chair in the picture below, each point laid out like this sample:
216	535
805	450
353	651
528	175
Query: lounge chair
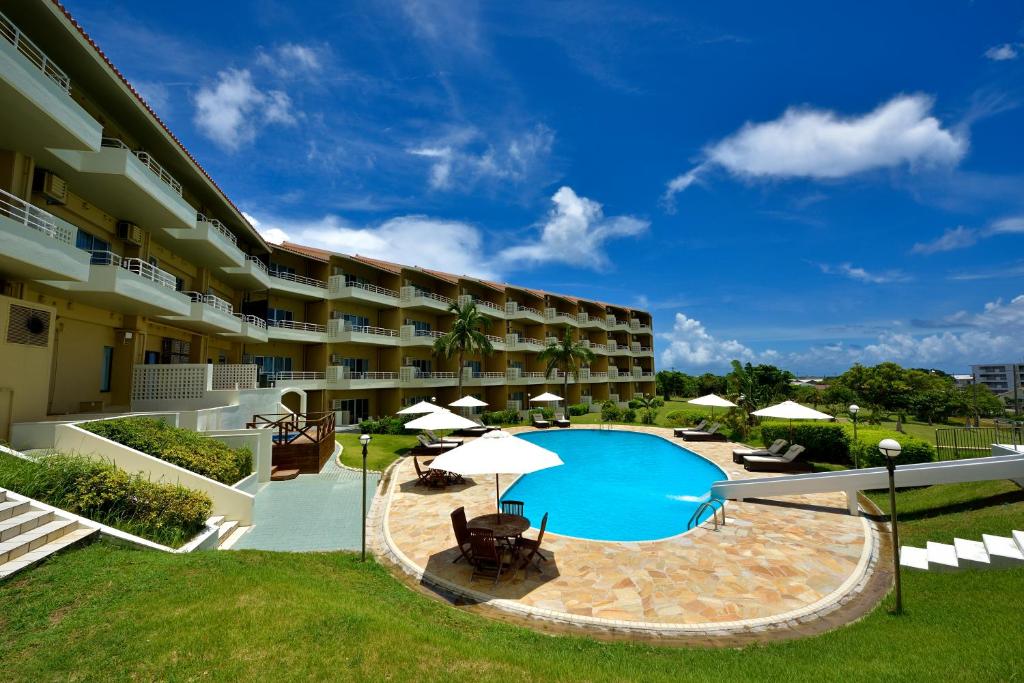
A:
461	529
428	477
488	557
561	420
710	434
529	549
428	447
786	462
699	427
434	438
538	421
480	428
479	422
774	449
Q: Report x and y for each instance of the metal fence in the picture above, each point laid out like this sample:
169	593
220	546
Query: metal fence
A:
955	443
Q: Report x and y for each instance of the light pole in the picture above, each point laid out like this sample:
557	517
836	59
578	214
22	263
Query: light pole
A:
854	409
364	439
891	449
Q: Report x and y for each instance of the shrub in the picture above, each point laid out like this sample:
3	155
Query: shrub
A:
647	417
634	404
629	415
181	447
610	412
501	417
386	425
678	418
658	402
826	442
579	409
914	450
164	513
546	413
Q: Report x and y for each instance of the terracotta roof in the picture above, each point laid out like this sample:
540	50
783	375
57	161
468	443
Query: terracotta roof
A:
153	113
447	277
301	250
395	268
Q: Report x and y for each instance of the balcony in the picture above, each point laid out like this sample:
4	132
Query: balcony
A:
416	298
611	323
209	314
497	343
299	380
290	330
35	245
595	348
251	275
638	327
586	320
410	336
299	286
127	285
531	343
343	332
38	111
342	378
361	292
486	307
252	330
555	317
412	377
598	376
130	185
513	311
209	243
481	379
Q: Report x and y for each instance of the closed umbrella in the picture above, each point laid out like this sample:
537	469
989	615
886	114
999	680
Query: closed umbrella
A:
714	401
420	408
496	453
790	410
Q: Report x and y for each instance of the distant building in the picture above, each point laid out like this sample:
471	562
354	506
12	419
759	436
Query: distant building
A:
963	380
1000	378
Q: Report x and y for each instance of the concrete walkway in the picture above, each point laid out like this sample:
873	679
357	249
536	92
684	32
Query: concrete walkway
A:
309	513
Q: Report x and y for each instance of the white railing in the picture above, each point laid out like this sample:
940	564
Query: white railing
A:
412	292
148	161
338	282
301	279
433	334
33	54
296	375
488	375
33	217
258	263
219	227
294	325
595	375
480	303
214	302
435	375
339	325
549	341
533	375
143	269
251	320
512	307
530	341
495	339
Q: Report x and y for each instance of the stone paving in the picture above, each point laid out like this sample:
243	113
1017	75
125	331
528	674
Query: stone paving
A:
775	562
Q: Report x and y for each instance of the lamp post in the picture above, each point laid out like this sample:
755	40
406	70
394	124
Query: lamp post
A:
891	449
854	409
364	439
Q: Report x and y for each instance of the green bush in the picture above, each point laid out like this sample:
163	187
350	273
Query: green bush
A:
825	442
163	513
546	413
633	403
501	417
181	447
386	425
914	450
579	409
678	418
610	412
629	415
658	402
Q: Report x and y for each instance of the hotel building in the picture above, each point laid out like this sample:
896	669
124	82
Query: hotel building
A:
118	252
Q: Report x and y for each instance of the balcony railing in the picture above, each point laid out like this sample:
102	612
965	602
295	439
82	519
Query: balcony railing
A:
301	279
487	375
219	227
494	339
33	54
33	217
414	292
251	320
530	341
143	269
434	375
512	307
295	325
257	262
150	163
433	334
339	281
339	325
214	302
297	375
533	375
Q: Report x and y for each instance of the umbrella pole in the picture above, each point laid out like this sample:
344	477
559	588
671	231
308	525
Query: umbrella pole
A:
497	496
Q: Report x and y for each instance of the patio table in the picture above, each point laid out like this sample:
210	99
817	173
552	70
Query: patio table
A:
501	525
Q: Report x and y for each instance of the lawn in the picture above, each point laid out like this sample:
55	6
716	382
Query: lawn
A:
105	612
383	450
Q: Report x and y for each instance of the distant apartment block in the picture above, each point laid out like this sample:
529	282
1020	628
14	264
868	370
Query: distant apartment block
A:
999	377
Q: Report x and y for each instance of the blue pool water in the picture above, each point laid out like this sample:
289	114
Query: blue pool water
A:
615	486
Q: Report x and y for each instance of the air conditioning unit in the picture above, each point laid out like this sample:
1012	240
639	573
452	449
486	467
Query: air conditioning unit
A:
130	233
53	187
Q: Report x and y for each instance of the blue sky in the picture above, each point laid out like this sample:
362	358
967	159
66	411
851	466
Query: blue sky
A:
810	186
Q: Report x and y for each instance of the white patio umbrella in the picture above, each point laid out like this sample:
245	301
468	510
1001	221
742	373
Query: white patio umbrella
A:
442	419
468	402
713	400
496	453
420	408
790	410
545	397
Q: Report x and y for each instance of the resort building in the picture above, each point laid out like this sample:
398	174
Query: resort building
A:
120	256
999	377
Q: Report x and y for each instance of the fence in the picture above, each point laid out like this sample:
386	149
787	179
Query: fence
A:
954	443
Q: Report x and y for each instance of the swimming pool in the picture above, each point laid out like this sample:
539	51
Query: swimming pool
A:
615	485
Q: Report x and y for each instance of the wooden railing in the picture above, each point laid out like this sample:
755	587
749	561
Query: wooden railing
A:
290	427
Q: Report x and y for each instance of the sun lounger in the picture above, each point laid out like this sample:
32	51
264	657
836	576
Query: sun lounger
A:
711	434
787	462
774	449
538	421
433	438
426	446
479	430
699	427
561	420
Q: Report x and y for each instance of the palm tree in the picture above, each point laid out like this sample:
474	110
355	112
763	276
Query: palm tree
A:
465	336
567	355
647	404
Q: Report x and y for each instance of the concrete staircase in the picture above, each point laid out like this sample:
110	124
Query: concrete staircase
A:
228	531
29	533
996	552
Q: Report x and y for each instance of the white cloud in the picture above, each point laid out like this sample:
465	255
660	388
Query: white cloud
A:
292	59
231	111
961	237
862	275
1002	53
574	232
692	347
820	144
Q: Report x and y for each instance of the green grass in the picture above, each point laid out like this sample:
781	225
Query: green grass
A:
104	612
383	450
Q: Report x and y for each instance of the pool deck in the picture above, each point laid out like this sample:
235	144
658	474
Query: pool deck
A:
779	568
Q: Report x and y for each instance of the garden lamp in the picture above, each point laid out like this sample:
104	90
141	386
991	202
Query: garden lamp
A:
891	449
854	409
364	439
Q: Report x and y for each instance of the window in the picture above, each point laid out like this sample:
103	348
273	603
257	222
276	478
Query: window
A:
108	367
475	365
355	365
356	320
421	365
357	408
152	358
278	268
88	242
278	314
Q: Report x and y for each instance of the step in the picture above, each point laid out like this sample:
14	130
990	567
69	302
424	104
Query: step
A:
19	524
914	558
10	508
3	495
942	557
283	475
1002	551
225	529
1018	537
30	540
42	552
230	541
971	554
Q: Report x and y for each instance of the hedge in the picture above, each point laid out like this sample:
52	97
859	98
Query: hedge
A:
164	513
579	409
386	425
501	417
825	442
914	450
181	447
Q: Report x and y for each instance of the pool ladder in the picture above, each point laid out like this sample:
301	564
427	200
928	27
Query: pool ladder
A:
716	505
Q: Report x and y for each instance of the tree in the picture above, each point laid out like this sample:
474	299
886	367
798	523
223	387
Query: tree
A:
711	384
466	335
649	405
673	383
568	356
976	401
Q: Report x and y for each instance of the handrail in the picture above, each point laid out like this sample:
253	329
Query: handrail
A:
530	341
513	307
259	264
294	325
251	320
339	281
301	279
19	210
211	300
428	333
147	160
219	227
297	374
316	427
417	292
495	339
708	504
143	269
10	31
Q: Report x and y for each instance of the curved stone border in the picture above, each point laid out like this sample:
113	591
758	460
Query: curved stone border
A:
850	590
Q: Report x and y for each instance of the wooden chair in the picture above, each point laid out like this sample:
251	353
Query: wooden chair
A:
461	529
512	507
427	477
488	558
529	549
